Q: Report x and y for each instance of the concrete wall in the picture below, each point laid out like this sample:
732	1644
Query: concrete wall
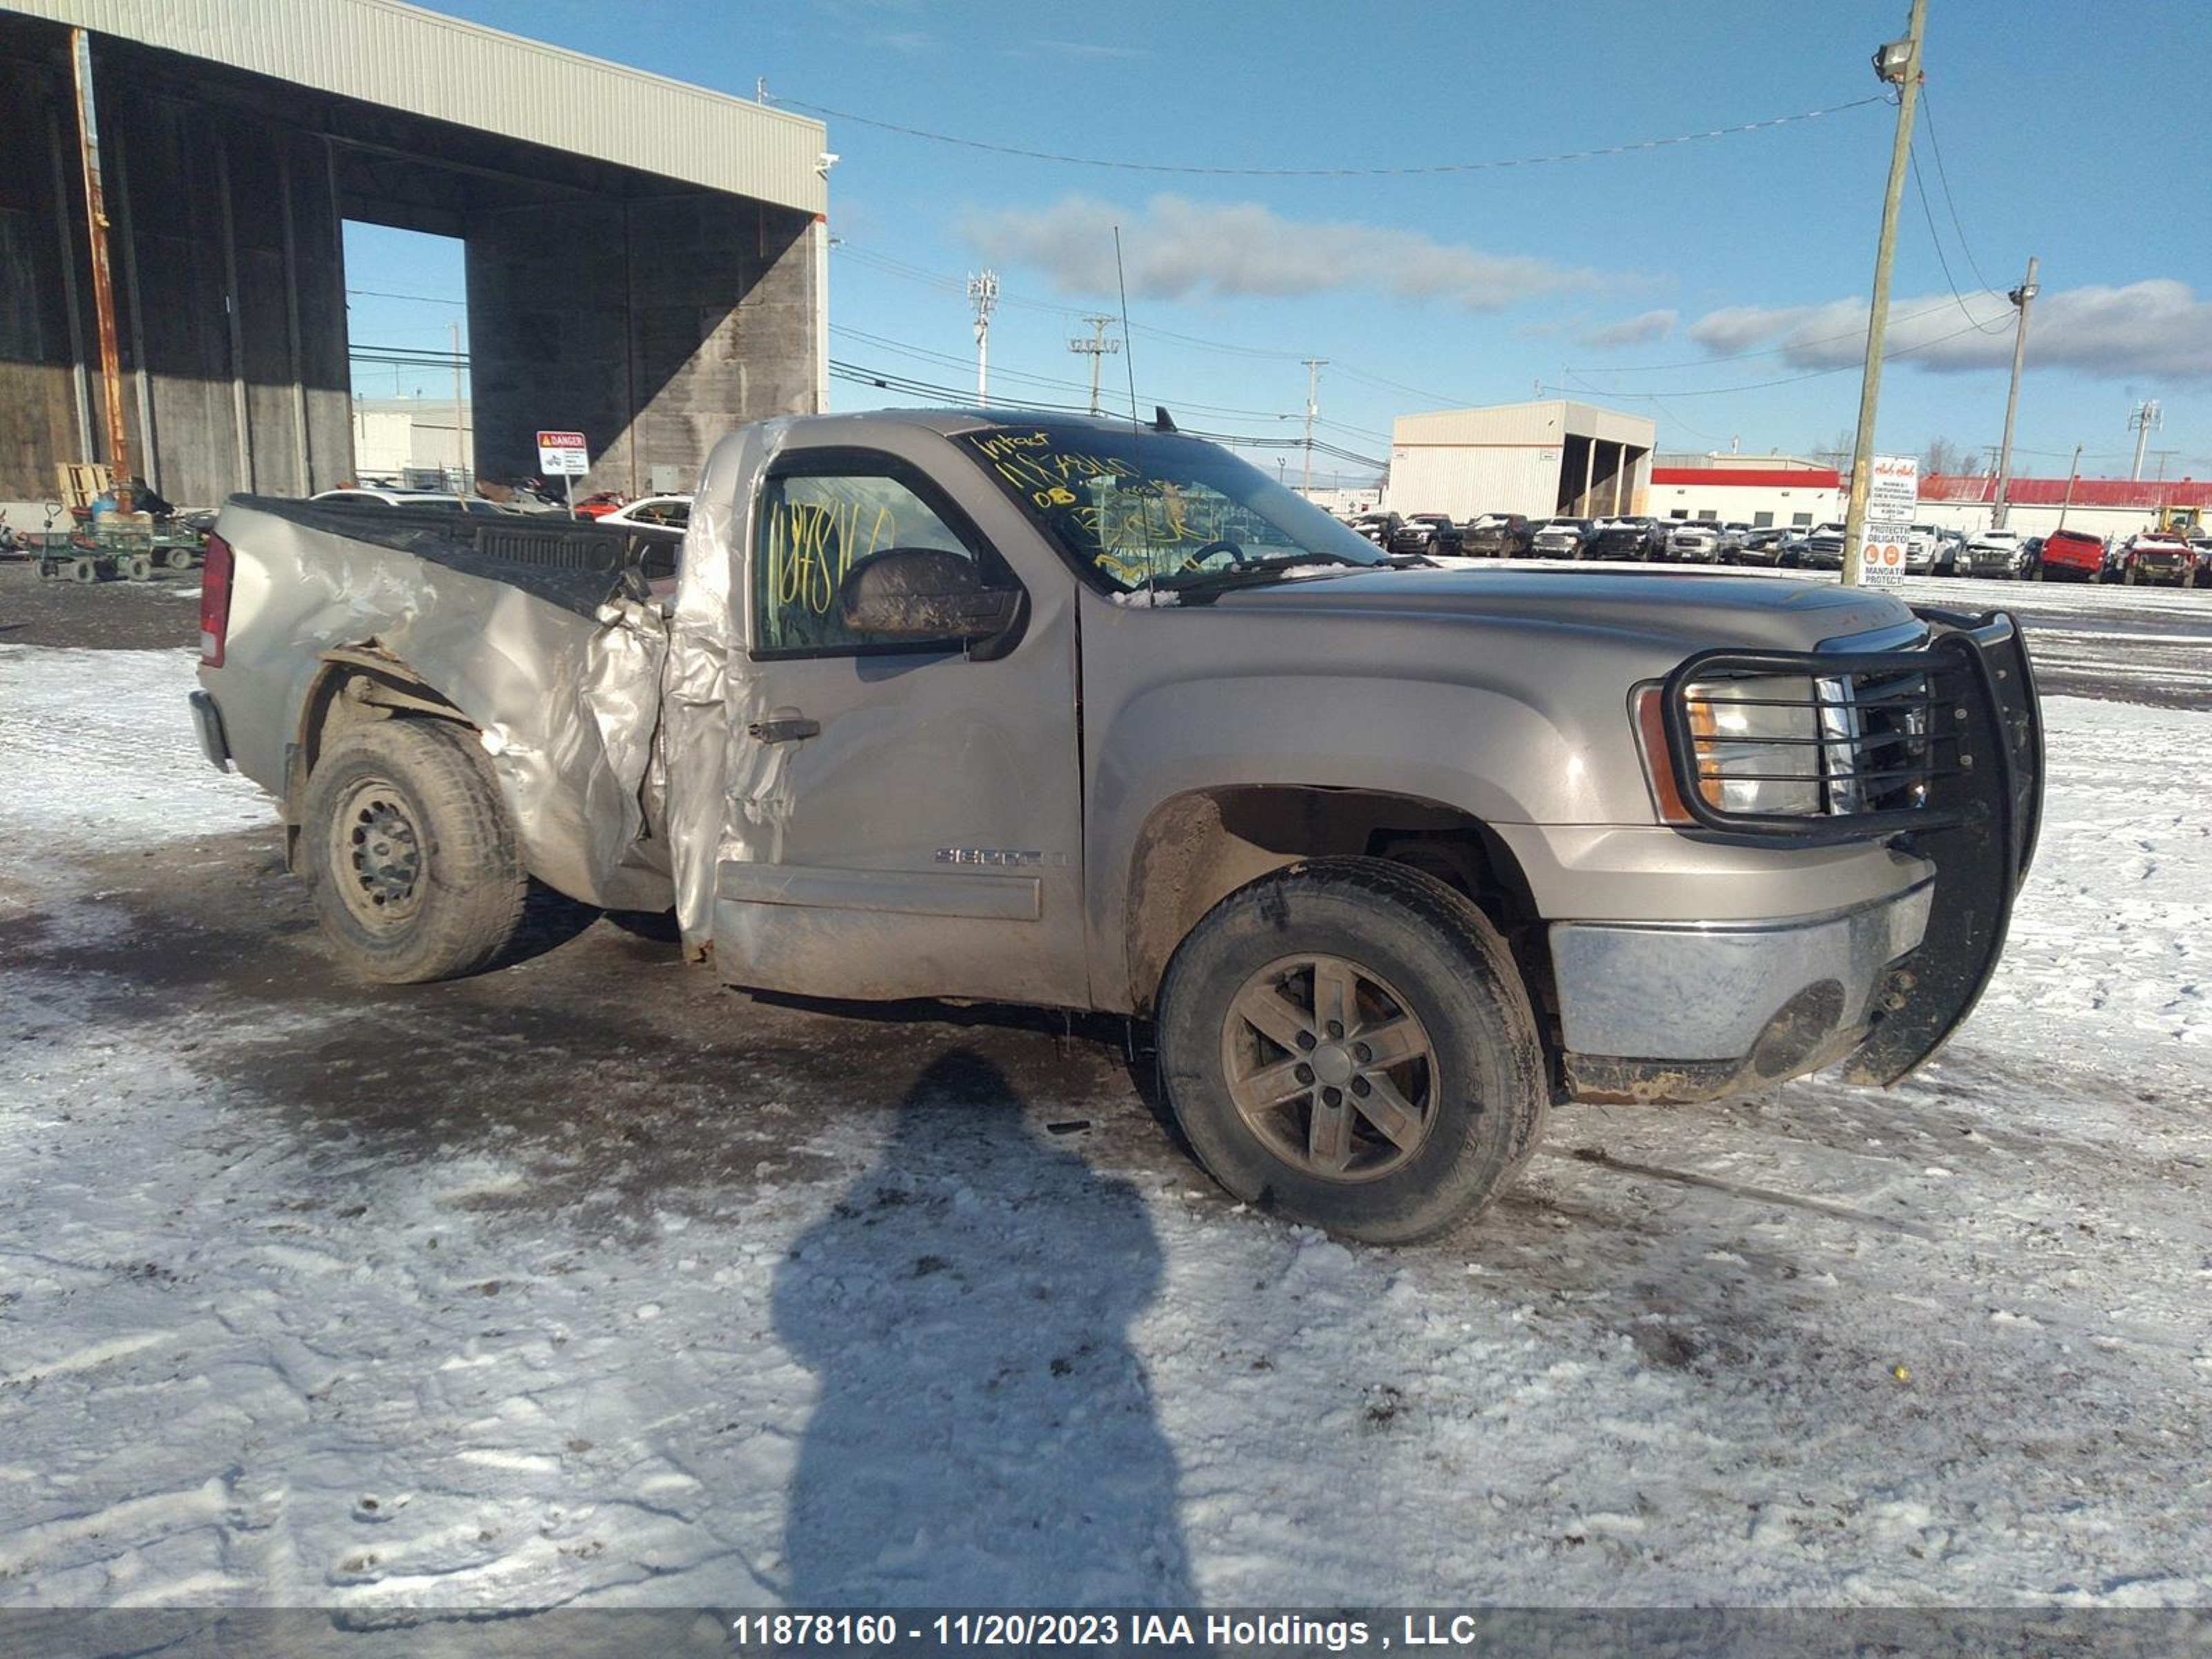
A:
230	318
652	315
652	327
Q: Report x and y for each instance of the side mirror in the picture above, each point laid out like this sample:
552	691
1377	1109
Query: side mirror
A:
924	593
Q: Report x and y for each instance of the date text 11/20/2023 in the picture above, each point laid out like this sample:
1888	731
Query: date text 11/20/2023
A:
1077	1630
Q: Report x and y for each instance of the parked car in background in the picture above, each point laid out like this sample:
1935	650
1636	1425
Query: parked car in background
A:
1997	554
660	512
1378	527
1627	539
2153	557
2070	556
1762	545
435	501
1565	538
1920	550
1426	533
1497	536
1822	547
1696	541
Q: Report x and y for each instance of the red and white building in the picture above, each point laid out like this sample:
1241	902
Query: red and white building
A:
1784	489
1754	489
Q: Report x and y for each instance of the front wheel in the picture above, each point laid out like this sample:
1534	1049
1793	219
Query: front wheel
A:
1347	1043
409	853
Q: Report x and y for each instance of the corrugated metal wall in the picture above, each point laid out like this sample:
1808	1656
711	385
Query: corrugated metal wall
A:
1464	481
406	58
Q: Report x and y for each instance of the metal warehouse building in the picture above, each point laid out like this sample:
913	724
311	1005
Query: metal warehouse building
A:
1540	458
645	260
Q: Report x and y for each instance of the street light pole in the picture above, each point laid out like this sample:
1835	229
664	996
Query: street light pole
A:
2023	296
1898	63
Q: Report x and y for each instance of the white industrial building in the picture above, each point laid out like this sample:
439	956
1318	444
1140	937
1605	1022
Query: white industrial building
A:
1754	489
392	436
1545	459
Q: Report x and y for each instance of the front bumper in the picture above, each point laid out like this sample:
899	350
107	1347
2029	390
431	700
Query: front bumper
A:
1738	1005
1682	1012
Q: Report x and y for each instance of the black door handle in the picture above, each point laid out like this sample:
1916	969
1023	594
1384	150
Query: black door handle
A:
783	730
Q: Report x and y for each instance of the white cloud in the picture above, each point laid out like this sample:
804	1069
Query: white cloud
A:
1640	329
2153	327
1178	249
1083	50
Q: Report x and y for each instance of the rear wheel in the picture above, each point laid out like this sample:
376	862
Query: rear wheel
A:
408	852
84	568
1348	1044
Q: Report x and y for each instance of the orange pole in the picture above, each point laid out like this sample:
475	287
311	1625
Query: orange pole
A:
103	281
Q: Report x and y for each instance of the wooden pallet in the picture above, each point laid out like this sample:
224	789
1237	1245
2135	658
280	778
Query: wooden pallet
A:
81	482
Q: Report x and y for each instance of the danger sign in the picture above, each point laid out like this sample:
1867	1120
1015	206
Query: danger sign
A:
563	455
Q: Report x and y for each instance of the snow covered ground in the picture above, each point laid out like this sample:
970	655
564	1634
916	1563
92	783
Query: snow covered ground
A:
317	1295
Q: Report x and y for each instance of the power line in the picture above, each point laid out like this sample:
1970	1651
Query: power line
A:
889	380
427	298
1185	168
925	354
1950	282
938	280
1942	177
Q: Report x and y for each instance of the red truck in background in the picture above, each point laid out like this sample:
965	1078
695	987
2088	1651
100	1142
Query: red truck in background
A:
2074	555
2157	556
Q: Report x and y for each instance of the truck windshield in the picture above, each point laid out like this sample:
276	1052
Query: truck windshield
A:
1139	509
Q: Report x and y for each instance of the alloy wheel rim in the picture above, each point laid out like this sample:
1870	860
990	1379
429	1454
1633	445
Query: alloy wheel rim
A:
1329	1064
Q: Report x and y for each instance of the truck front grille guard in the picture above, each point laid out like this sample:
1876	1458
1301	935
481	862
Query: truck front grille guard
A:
1909	741
1976	785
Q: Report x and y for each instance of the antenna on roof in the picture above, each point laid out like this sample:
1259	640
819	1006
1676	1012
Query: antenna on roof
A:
1162	421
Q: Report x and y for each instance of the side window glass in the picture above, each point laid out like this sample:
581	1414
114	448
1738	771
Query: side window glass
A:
813	528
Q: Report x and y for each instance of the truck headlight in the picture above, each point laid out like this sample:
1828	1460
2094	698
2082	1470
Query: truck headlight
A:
1780	746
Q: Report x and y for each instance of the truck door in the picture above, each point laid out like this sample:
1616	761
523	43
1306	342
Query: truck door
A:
905	816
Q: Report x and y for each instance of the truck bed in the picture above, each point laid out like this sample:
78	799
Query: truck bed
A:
547	637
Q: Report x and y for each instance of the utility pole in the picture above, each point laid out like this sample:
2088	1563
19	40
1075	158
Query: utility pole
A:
1898	63
1095	348
983	294
2073	476
2147	415
1313	408
2022	297
460	445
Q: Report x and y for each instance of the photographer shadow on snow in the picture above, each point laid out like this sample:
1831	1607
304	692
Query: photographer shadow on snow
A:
984	1433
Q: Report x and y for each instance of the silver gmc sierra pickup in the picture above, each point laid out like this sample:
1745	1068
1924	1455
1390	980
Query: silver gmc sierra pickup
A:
1092	715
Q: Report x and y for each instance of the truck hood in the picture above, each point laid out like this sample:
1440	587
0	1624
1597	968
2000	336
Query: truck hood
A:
1704	609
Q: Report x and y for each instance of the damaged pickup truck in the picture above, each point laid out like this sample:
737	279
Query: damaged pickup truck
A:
1097	716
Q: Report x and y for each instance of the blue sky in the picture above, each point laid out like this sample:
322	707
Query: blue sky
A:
1715	267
